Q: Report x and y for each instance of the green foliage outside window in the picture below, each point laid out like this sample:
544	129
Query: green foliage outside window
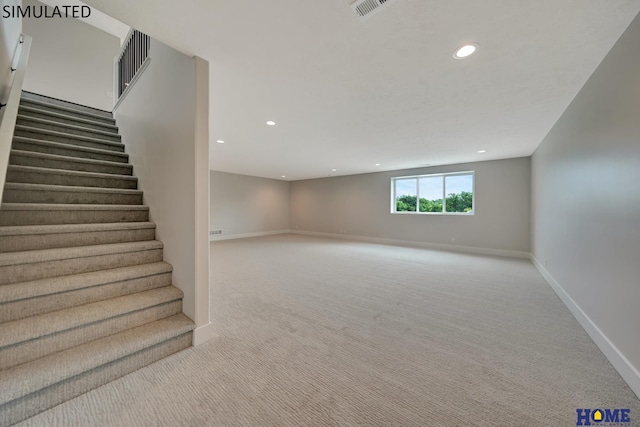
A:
461	202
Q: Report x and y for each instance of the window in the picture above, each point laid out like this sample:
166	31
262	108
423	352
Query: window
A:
445	193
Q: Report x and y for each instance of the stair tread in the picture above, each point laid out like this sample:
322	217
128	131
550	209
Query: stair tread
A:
108	116
35	327
48	187
67	117
68	135
16	230
45	255
69	207
69	172
54	285
68	126
30	377
69	158
69	146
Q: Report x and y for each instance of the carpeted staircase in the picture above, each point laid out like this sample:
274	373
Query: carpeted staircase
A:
85	297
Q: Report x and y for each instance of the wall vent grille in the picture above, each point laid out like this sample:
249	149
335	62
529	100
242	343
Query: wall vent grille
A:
215	232
365	8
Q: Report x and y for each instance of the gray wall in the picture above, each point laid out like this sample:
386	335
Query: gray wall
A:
70	60
243	204
10	31
586	203
359	205
157	120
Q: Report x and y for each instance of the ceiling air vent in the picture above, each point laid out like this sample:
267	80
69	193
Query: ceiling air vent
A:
366	8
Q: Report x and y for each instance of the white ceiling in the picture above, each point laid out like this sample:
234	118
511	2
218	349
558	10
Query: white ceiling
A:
349	93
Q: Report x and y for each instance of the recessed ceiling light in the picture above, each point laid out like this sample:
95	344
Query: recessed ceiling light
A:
284	176
271	123
482	151
377	164
465	51
333	170
220	141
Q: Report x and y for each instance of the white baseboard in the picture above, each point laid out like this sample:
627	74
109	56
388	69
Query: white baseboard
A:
626	370
203	334
426	245
246	235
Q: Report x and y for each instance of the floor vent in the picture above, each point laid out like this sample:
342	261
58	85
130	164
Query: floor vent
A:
366	8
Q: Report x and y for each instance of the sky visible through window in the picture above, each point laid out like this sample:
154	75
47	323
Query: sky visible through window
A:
406	187
431	188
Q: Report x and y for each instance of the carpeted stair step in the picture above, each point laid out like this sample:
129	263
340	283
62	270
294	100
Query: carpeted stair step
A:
54	161
49	214
36	237
41	193
34	175
61	117
25	340
24	266
26	121
25	299
67	138
32	387
68	150
54	103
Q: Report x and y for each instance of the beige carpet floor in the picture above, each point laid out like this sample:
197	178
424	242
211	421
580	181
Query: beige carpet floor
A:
321	332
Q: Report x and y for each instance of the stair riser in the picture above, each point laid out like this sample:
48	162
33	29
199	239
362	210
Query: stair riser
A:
37	348
108	136
32	404
33	177
41	270
69	152
66	112
22	309
71	120
70	197
33	133
66	240
52	103
70	217
24	160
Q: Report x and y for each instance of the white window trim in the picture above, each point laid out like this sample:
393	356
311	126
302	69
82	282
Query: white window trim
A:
444	203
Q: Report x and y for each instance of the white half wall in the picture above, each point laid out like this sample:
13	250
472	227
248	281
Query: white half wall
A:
164	125
10	31
245	206
586	206
70	60
359	205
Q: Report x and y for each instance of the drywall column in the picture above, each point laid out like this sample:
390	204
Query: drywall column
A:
204	330
163	120
586	206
